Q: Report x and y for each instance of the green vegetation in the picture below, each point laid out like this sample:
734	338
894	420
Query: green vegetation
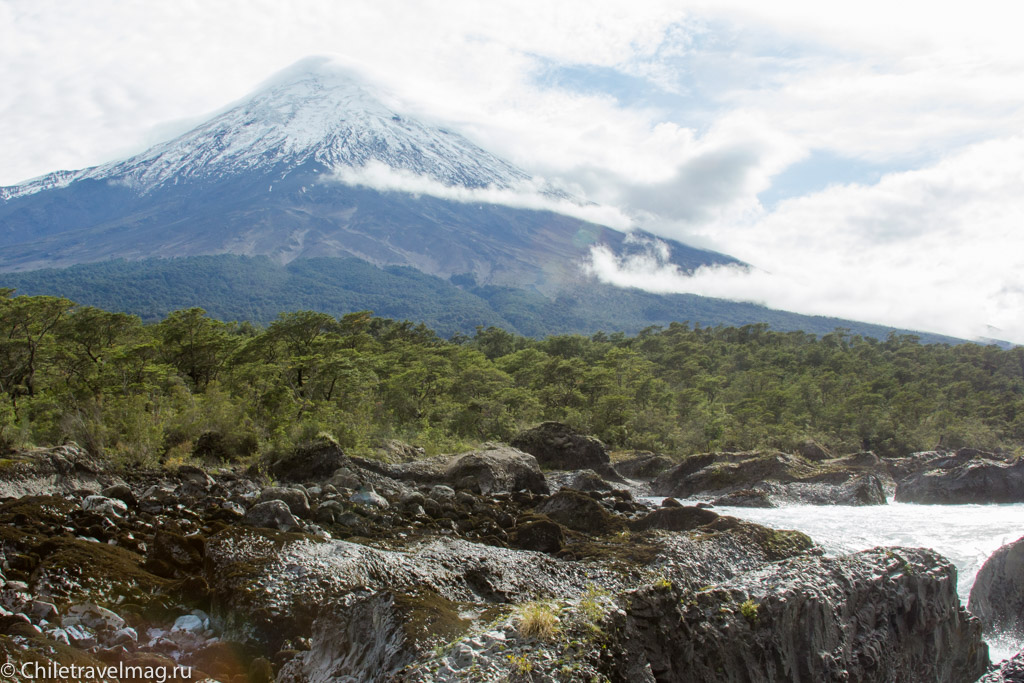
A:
749	611
191	386
538	620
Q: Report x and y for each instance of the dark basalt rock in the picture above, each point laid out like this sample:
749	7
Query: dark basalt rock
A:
272	514
682	518
977	479
878	615
997	597
1010	671
853	480
644	467
580	512
745	498
313	461
543	536
560	447
295	498
493	469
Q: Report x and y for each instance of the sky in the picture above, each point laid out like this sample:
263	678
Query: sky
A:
866	159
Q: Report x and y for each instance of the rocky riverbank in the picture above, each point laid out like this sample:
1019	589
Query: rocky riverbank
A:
480	566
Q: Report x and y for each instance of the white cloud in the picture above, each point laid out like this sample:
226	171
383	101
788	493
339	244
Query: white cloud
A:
933	249
528	195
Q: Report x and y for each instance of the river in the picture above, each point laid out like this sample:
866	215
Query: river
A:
966	534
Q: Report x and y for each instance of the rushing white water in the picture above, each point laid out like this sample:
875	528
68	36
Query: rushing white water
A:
966	534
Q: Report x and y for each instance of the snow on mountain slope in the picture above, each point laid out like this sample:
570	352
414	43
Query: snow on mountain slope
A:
312	111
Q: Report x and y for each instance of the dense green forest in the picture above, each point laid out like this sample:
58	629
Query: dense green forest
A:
257	289
192	386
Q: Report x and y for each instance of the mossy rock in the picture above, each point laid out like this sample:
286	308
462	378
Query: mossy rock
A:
580	512
430	618
777	544
39	650
682	518
73	568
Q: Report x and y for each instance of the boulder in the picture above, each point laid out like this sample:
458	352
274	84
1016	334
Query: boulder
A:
196	477
814	451
316	460
110	507
997	596
399	451
174	556
581	480
273	514
644	467
978	479
542	535
580	512
558	446
682	518
853	480
122	493
496	469
368	497
745	498
294	498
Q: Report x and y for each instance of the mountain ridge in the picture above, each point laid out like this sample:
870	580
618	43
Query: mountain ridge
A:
267	176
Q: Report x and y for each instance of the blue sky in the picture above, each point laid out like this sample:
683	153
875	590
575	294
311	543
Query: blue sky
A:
866	158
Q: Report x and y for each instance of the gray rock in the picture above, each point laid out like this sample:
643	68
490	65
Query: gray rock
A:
110	507
496	469
580	512
367	496
979	479
745	498
1010	671
122	492
560	447
329	511
294	497
189	623
93	616
316	460
196	477
997	596
878	615
273	514
442	494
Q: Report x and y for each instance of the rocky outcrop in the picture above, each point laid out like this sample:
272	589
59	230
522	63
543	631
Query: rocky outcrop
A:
745	498
782	477
997	597
42	471
879	615
558	446
493	469
974	479
580	512
1010	671
644	467
316	460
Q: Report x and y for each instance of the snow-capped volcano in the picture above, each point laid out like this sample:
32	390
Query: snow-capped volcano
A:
313	111
283	173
